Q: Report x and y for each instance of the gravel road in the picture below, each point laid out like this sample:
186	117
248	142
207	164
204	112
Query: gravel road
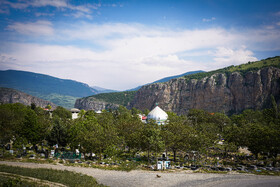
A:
166	179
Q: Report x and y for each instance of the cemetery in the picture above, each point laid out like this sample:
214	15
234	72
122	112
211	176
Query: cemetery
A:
120	140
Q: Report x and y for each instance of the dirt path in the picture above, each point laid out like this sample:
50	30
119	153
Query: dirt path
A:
149	178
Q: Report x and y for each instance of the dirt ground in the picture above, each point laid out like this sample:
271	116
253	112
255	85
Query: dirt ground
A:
161	179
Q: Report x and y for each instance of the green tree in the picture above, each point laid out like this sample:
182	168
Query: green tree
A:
129	127
177	134
59	131
151	139
11	119
49	107
62	113
220	120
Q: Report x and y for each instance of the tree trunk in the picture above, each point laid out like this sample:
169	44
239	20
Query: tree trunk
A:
174	154
156	159
100	154
149	156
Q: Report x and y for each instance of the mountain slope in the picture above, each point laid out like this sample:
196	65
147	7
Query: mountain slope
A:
105	100
177	76
60	91
9	95
103	90
230	90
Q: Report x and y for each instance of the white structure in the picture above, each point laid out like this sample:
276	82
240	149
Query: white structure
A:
75	113
158	115
98	112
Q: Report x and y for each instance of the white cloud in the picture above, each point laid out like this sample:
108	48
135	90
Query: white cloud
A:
80	15
208	20
42	3
16	5
85	9
127	55
37	28
38	14
226	56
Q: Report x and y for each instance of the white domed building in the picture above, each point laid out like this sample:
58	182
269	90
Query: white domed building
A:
158	115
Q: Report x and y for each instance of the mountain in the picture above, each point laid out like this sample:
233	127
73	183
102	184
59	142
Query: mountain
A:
230	90
168	78
105	100
114	99
62	92
9	95
103	90
177	76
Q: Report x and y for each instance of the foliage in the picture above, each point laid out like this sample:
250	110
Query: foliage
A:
59	131
120	134
62	113
257	130
66	101
121	98
243	68
178	134
32	82
151	139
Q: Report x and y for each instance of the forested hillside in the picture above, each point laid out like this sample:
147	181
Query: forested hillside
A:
105	100
243	68
62	92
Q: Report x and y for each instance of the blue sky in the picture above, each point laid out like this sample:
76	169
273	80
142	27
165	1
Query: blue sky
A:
123	44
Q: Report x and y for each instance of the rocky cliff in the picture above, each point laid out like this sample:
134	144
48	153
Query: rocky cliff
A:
220	92
9	95
94	104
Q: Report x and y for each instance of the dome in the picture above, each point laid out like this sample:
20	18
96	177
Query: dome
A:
158	114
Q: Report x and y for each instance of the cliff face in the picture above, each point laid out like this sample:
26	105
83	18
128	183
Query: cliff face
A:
230	93
8	95
93	104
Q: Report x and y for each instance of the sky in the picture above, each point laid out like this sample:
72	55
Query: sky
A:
123	44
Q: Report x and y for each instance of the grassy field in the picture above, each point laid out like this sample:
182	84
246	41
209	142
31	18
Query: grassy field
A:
64	177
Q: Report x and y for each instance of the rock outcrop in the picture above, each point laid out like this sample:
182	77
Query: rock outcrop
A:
94	104
9	95
229	93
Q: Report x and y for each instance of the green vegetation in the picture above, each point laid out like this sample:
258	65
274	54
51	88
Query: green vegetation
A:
121	98
12	181
61	92
65	101
44	84
64	177
199	138
243	68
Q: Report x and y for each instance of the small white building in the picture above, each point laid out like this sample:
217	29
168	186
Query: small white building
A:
158	115
75	113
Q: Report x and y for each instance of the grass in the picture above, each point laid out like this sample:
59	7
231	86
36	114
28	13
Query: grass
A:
64	177
8	181
262	172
